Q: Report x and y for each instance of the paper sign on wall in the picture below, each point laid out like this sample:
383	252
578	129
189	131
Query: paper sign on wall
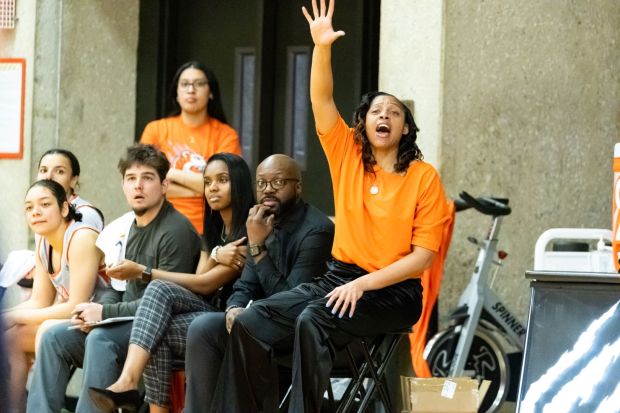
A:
12	86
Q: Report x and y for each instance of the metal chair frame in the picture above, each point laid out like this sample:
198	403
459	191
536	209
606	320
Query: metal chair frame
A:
372	366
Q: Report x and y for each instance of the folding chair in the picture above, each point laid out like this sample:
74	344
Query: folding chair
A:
364	359
177	390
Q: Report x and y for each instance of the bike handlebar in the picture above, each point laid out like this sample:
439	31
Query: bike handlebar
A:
486	205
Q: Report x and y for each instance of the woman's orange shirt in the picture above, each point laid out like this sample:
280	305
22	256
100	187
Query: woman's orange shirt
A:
188	149
379	217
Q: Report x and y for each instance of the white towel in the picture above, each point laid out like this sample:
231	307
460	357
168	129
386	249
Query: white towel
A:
113	242
17	265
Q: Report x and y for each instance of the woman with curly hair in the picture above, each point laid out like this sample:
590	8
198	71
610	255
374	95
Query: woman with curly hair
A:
390	210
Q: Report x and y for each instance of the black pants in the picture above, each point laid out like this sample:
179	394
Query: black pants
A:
298	321
207	339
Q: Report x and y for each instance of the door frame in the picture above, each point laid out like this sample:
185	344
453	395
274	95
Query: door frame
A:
157	62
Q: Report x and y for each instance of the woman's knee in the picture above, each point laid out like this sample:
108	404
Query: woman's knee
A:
45	326
158	288
20	338
11	336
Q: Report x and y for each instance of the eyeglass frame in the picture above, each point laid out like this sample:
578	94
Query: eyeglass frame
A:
196	84
277	187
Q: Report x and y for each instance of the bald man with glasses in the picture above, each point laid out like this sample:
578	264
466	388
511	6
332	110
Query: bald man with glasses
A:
289	242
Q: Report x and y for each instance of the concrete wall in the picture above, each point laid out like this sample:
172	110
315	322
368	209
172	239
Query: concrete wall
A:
411	64
15	173
82	55
95	87
530	110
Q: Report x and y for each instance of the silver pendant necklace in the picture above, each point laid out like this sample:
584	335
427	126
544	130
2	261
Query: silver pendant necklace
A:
223	235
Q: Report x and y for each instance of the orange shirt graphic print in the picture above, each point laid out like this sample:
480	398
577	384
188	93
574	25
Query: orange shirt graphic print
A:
188	161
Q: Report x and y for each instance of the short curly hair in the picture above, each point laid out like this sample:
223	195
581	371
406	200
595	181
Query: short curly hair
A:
145	154
408	149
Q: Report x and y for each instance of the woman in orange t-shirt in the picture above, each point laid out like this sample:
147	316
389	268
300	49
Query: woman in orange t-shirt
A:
196	129
390	212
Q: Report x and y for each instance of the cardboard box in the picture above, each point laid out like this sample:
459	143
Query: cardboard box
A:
442	394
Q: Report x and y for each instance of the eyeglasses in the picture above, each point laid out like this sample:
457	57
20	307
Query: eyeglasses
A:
197	84
276	183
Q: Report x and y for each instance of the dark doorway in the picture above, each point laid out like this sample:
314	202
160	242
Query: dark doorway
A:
260	51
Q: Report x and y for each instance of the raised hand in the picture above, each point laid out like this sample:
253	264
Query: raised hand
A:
321	28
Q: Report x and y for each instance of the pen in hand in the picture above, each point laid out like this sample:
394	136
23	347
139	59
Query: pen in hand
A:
84	311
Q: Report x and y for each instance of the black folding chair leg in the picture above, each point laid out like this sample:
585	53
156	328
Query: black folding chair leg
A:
371	366
356	386
330	395
378	375
374	367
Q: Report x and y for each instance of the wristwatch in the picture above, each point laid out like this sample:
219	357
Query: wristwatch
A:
147	274
257	249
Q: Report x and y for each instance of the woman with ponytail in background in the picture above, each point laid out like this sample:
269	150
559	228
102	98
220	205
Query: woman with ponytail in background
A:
62	166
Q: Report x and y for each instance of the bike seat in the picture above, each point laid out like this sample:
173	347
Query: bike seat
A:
486	205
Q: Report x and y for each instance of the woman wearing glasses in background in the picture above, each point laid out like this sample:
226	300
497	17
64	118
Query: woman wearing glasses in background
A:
196	129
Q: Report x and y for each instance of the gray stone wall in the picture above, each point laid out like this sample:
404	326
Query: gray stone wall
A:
85	90
15	173
80	95
531	112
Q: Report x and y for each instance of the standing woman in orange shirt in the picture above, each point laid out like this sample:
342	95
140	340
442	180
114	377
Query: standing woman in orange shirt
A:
196	129
390	211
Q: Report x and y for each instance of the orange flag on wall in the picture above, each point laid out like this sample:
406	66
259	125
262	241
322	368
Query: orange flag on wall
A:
431	282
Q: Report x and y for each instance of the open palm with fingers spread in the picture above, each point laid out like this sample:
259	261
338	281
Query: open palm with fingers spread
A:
321	25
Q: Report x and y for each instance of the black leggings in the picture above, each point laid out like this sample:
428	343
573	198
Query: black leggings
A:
298	321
